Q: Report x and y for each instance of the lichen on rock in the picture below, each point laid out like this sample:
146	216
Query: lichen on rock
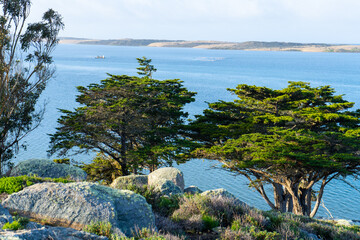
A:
47	168
76	205
167	173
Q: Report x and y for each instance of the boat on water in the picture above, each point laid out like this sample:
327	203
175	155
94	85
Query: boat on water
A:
100	57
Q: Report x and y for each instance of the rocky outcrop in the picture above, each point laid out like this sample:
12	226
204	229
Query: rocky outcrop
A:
167	173
76	205
123	181
48	168
47	233
192	190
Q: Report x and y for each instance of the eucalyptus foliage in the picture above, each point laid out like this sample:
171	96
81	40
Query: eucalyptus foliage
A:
294	139
25	68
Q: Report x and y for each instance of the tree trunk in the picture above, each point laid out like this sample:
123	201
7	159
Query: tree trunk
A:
279	197
319	196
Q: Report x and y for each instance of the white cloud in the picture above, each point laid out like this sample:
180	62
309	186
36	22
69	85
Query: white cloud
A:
207	19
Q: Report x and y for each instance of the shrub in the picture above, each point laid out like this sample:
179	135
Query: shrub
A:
331	231
15	225
209	222
236	225
166	225
224	209
163	205
198	213
228	234
15	184
167	205
99	228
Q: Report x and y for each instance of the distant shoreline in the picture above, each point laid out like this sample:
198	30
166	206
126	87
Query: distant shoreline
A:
245	46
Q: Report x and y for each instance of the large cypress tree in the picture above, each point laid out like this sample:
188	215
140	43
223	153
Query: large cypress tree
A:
134	121
294	139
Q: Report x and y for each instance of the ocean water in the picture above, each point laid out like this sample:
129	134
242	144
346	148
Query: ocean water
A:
209	73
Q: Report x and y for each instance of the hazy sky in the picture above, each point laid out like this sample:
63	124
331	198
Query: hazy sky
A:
328	21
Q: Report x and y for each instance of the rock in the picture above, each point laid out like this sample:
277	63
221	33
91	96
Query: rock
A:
122	182
166	187
4	216
168	173
192	190
48	168
344	222
218	192
309	236
47	233
76	205
221	192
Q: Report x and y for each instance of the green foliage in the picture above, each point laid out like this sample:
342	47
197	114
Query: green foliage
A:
25	68
135	121
290	138
62	160
285	226
209	222
99	228
15	184
202	213
102	169
14	226
167	205
17	224
163	205
145	69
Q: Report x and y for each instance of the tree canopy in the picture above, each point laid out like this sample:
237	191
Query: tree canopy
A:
25	68
294	139
135	121
145	69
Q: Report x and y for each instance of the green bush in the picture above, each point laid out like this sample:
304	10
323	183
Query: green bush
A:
162	205
209	222
15	225
236	225
15	184
99	228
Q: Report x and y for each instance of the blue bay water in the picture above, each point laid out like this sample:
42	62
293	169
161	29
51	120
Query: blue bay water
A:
208	72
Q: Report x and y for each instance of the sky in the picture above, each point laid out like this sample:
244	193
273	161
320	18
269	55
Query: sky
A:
306	21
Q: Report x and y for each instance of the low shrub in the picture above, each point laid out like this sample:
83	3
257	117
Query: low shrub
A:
17	224
15	184
163	205
166	225
209	222
14	226
331	231
99	228
201	213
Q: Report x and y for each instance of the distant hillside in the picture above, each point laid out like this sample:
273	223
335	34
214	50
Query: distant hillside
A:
249	46
125	42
